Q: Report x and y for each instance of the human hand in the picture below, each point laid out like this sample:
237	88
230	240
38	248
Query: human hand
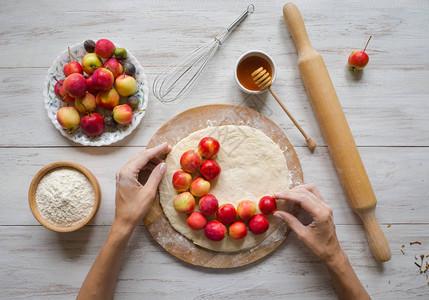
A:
319	236
133	199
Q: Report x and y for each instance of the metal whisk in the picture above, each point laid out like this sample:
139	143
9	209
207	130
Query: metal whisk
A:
176	81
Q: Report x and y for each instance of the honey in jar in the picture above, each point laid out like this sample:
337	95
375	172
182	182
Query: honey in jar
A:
245	69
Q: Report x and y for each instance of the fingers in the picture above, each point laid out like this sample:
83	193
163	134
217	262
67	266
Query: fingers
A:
303	198
155	177
291	222
307	187
310	199
158	150
139	160
313	189
144	158
156	160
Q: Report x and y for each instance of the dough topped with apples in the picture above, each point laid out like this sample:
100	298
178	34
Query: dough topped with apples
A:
253	166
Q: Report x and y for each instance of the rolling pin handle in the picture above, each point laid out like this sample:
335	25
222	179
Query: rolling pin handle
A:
295	24
376	238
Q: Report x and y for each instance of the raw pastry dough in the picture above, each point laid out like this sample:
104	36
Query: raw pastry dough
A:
252	166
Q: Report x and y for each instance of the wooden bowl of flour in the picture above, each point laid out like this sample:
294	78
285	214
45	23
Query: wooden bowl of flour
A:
64	196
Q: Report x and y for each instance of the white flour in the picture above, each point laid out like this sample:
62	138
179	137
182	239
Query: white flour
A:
65	197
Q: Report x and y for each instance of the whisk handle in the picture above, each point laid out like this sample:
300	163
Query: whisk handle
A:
249	10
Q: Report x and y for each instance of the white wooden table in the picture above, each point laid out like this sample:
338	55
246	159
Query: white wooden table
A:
387	109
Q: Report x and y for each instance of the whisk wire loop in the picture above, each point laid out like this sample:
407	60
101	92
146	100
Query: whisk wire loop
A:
176	81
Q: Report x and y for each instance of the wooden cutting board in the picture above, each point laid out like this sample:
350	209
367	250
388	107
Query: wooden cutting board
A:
180	127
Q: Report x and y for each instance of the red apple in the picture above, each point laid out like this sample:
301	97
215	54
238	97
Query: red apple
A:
215	231
107	99
208	147
92	124
68	117
61	93
91	87
104	48
267	205
126	85
102	79
58	88
358	59
210	169
200	187
196	221
71	68
114	66
190	161
75	85
226	213
85	104
258	224
237	230
123	114
91	62
208	205
184	203
182	181
246	209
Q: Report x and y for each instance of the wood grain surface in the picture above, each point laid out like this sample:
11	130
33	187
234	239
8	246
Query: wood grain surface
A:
385	105
180	127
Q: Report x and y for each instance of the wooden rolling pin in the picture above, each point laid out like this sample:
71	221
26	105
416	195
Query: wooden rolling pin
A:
337	133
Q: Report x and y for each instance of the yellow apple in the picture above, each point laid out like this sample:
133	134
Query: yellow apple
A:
126	85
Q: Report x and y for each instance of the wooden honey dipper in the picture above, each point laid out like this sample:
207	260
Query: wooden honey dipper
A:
263	79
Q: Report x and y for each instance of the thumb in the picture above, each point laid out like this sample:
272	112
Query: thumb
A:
290	221
156	176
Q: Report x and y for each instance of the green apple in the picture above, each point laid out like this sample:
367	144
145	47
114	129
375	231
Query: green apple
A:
126	85
91	62
120	53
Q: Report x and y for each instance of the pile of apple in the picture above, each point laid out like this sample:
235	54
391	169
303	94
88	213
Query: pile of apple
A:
98	81
237	220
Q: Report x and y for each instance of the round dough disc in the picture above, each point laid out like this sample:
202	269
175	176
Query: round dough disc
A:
252	166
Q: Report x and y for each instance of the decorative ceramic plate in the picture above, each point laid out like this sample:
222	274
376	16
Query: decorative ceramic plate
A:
110	135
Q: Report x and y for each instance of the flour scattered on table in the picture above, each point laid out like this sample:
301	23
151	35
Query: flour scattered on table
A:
65	197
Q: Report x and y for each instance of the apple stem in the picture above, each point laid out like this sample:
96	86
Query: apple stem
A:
367	43
69	54
57	80
137	111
